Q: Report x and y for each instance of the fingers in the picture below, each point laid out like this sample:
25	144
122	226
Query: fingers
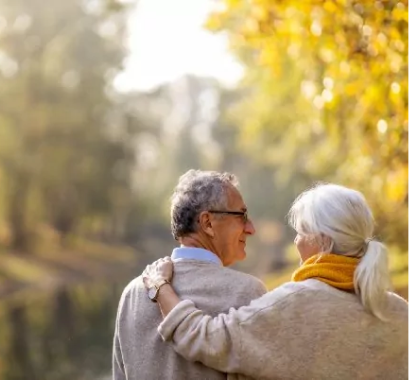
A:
163	259
159	270
146	282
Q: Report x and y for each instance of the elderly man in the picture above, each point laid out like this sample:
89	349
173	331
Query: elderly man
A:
209	220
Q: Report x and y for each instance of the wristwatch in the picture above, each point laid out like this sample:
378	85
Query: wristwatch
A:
153	291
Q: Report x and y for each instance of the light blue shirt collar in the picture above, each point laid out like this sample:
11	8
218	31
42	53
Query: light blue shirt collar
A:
189	253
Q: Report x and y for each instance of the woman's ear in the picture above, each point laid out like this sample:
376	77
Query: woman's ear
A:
327	243
205	223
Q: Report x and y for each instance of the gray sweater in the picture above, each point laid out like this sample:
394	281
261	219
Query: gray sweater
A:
140	354
302	330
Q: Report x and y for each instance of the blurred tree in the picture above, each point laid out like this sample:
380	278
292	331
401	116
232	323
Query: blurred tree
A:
59	156
326	96
18	354
267	196
175	124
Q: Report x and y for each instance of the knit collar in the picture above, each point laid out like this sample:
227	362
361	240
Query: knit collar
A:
335	270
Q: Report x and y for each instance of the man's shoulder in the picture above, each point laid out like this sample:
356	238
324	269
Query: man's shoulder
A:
218	275
244	278
218	272
133	287
242	282
198	277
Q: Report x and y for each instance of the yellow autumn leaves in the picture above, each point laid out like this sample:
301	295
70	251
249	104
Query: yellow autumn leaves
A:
327	94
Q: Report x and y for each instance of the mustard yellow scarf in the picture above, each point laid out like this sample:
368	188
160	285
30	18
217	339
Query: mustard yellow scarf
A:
335	270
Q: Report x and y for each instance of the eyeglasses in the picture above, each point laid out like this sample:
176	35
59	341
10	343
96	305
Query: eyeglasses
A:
243	214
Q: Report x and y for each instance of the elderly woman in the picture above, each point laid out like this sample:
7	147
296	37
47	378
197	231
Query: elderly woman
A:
334	320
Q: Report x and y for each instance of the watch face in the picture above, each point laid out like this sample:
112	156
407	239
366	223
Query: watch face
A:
152	293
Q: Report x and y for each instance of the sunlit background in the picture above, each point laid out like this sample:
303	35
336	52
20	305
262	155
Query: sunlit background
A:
105	103
167	41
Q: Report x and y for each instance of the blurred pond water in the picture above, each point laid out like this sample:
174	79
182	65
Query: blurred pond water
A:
63	335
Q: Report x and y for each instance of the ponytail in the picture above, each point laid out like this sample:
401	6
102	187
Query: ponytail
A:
371	279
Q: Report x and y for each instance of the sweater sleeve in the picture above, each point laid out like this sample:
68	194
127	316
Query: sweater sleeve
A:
241	341
199	337
118	370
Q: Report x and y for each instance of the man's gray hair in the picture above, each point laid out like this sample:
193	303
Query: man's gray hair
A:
195	192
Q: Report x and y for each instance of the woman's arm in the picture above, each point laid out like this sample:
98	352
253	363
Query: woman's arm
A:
215	342
167	299
243	341
216	353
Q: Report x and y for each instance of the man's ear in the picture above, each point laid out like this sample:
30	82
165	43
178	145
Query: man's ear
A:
205	223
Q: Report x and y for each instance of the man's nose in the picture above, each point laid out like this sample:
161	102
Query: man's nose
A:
249	228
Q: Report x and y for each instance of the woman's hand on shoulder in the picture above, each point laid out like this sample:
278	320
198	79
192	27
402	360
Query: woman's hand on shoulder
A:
158	271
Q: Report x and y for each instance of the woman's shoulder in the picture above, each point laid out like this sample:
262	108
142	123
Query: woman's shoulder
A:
397	304
287	292
278	302
304	292
310	286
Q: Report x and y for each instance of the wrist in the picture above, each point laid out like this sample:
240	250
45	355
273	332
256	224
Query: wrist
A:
154	290
164	291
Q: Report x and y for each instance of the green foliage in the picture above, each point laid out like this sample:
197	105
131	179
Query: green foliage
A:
58	160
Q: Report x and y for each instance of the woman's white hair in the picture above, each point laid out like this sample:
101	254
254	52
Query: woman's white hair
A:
341	222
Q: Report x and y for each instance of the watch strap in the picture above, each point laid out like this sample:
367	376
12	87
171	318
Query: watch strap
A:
160	283
157	286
